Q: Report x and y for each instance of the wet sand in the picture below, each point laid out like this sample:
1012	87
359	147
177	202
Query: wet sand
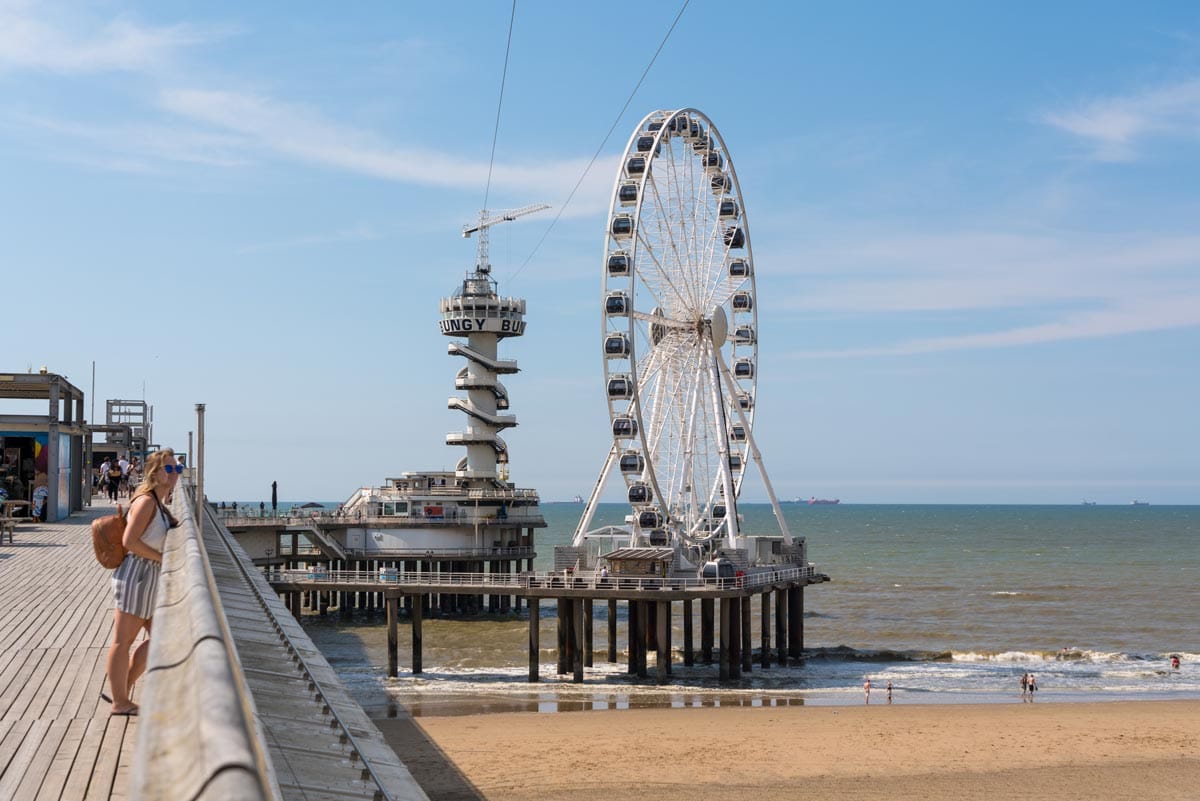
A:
1119	750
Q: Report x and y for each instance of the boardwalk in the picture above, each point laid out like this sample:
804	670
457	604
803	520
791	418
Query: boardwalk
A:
56	738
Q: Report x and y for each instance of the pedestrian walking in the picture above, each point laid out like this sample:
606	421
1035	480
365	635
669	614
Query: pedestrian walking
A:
1024	685
889	691
867	690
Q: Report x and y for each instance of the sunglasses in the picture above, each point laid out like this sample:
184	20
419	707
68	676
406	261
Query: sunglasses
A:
173	468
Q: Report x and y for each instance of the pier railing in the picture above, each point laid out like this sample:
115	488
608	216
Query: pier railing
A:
586	580
196	733
353	519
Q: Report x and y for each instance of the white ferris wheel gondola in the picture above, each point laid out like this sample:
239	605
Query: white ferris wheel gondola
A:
679	332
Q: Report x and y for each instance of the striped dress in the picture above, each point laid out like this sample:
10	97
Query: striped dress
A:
135	581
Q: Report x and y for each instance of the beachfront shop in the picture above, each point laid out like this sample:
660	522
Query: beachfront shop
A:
42	456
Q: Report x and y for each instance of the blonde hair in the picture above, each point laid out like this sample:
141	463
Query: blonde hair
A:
150	470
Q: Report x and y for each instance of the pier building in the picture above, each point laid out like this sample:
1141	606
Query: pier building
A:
471	520
42	456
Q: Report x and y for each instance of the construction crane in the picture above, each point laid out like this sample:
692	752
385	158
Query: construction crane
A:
485	222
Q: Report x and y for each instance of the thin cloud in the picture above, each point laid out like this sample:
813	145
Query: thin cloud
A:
306	135
1076	289
1114	127
355	233
32	37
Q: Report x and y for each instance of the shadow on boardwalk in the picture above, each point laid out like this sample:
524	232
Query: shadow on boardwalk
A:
438	776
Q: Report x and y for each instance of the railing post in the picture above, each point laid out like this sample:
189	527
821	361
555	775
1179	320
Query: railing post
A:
199	465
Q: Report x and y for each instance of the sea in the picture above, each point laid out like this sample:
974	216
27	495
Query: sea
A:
952	604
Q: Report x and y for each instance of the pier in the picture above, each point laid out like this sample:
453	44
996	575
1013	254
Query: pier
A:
236	702
725	609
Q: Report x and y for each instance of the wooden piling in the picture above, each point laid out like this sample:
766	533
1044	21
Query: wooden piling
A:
562	635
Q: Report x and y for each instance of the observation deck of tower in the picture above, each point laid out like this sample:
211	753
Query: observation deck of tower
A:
477	312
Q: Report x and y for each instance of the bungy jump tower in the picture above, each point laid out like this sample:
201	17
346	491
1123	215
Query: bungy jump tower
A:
472	519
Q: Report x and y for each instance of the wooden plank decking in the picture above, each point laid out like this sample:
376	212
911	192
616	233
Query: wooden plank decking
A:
57	740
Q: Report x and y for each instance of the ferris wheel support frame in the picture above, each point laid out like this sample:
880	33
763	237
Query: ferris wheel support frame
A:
756	455
731	497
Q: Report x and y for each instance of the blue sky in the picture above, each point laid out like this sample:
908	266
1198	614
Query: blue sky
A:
974	224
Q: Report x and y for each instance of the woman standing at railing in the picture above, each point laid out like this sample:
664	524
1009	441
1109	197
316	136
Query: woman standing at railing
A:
135	581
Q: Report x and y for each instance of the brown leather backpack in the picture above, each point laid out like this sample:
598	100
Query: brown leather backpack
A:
107	539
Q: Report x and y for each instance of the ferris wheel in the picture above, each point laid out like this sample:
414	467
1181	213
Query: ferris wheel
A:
679	334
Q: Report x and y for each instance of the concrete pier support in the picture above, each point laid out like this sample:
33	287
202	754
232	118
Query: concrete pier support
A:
663	619
764	646
588	622
689	657
735	638
781	620
418	613
578	627
393	613
562	635
725	671
795	622
651	622
706	630
612	630
747	635
535	636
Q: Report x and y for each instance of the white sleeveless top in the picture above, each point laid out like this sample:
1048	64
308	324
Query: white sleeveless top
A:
156	533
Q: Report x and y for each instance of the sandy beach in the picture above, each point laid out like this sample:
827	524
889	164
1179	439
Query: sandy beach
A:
1117	750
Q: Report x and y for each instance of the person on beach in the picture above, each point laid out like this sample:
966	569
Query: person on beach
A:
1032	687
1024	685
867	690
135	581
889	691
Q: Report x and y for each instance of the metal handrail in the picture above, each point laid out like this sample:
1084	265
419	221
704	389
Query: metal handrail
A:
299	658
352	519
543	580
